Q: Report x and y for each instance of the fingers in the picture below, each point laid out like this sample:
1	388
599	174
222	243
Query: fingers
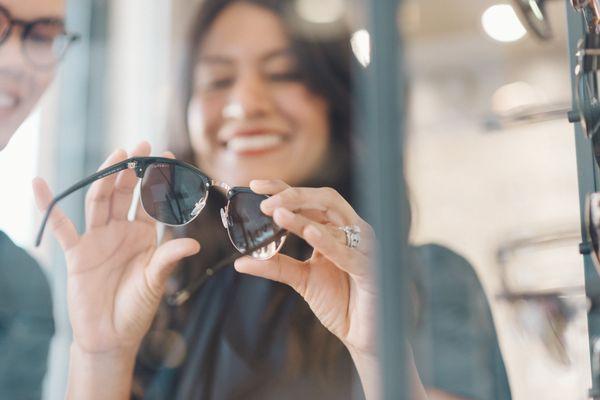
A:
125	185
165	259
280	268
329	241
98	198
268	186
326	200
60	225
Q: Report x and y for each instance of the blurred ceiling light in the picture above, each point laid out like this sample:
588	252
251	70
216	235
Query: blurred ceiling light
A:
501	23
320	11
361	46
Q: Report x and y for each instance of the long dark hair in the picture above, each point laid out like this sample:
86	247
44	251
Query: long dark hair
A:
325	65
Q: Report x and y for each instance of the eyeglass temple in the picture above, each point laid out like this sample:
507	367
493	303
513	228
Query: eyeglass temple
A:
183	295
113	169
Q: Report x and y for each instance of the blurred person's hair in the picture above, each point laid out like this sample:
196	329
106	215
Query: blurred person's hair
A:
325	64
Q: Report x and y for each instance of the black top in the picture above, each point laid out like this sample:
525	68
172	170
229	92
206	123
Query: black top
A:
26	323
456	346
243	337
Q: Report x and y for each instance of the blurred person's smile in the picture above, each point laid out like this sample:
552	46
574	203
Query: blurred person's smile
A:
247	140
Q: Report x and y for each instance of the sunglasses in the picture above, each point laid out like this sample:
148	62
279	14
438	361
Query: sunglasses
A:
534	16
44	41
591	13
174	193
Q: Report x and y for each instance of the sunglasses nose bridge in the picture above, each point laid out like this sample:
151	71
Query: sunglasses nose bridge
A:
220	184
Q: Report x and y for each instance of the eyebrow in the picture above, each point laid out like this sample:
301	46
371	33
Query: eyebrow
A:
224	60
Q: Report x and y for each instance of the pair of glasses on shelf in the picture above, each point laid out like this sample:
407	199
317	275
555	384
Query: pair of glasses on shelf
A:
44	41
174	193
587	112
587	94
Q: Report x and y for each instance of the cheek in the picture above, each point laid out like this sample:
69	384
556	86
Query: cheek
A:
203	117
308	114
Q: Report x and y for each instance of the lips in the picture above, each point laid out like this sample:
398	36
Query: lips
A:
253	139
254	143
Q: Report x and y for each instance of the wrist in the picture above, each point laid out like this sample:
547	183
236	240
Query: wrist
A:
368	368
100	375
118	356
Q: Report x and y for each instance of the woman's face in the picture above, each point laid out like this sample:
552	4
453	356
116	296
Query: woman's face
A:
250	116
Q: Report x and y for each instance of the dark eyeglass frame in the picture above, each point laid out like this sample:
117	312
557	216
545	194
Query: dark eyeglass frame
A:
140	165
28	28
533	14
592	225
587	96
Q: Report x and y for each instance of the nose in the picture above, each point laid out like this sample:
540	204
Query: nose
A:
249	97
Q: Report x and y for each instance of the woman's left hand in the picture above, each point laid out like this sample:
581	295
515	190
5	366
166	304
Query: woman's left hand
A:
338	282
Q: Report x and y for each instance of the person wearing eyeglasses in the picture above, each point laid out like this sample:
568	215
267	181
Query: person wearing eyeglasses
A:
265	103
32	41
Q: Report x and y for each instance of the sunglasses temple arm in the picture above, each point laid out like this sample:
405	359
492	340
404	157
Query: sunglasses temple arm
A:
82	183
183	295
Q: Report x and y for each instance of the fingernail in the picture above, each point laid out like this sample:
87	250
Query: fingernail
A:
268	205
240	262
284	214
312	232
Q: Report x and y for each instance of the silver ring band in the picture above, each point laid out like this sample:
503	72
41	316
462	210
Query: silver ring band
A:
352	235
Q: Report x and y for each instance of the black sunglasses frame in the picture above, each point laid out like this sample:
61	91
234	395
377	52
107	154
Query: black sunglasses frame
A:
28	27
140	165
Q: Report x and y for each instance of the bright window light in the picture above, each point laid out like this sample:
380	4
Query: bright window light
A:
18	163
361	47
501	23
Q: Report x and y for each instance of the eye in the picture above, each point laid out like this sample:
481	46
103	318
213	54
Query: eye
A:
285	76
213	84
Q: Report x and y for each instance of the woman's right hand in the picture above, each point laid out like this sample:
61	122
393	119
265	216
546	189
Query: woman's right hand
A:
116	270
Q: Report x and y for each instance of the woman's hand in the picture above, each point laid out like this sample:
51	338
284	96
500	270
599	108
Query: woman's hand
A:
116	271
337	282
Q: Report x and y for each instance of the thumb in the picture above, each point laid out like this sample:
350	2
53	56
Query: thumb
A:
165	259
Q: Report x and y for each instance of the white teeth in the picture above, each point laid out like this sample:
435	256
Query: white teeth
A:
254	142
7	100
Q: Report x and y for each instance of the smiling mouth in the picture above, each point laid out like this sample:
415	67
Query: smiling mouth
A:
255	143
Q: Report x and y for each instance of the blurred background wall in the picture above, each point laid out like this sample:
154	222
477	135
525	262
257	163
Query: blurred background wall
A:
501	192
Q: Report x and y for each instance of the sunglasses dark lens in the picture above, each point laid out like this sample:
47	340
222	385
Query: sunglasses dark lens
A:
173	194
248	227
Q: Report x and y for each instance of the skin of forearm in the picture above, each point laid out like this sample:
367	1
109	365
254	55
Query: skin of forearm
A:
100	375
369	371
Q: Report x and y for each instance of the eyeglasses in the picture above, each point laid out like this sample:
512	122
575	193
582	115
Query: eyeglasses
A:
591	13
174	193
587	95
592	225
533	14
44	40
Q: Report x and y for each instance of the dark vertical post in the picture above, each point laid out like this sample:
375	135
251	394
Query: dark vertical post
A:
382	188
587	175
